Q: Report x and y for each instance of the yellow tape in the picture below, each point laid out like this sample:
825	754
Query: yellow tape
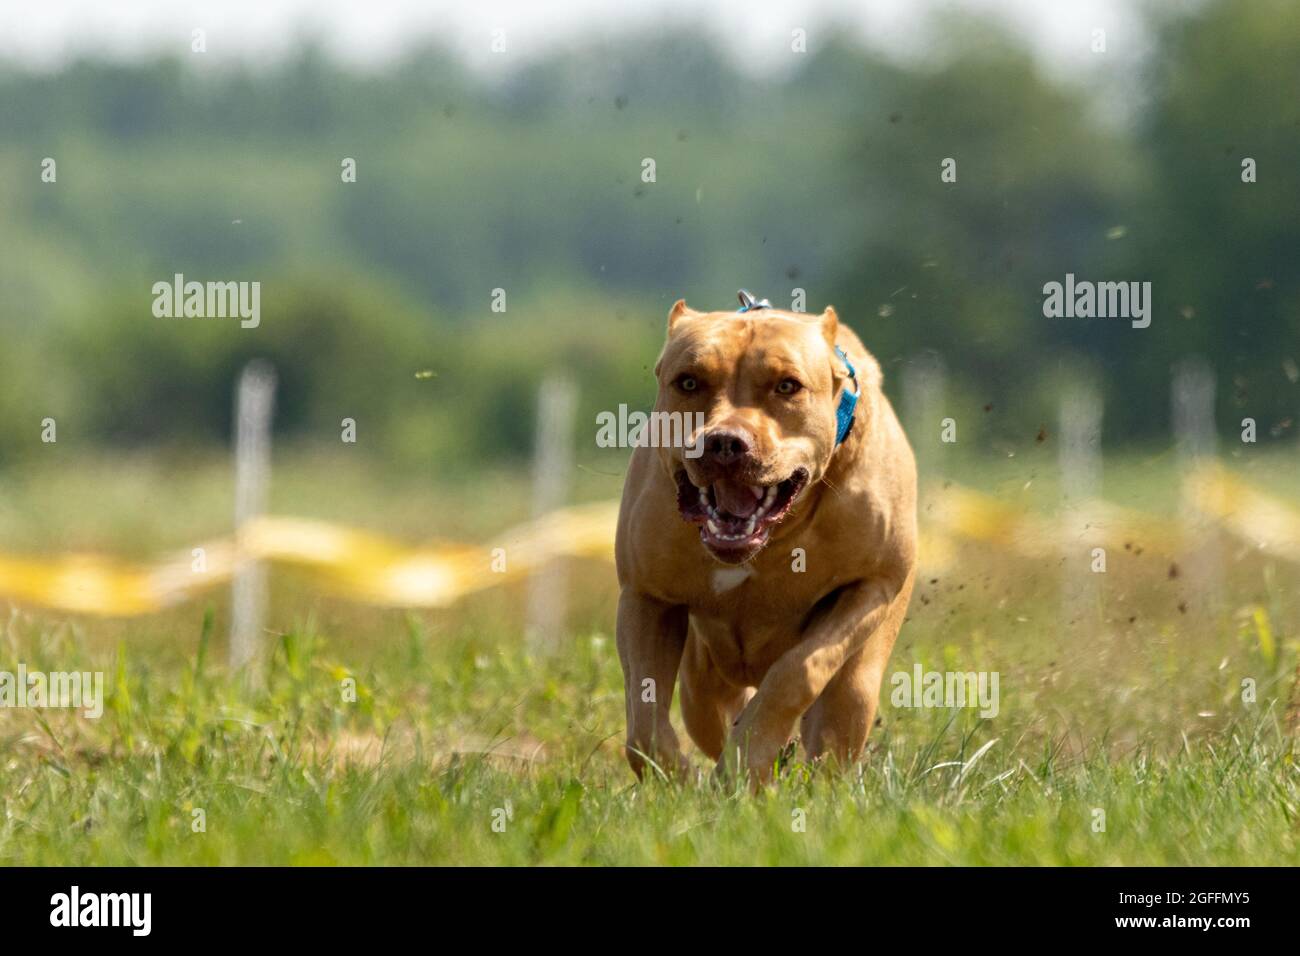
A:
365	567
1267	523
352	564
976	516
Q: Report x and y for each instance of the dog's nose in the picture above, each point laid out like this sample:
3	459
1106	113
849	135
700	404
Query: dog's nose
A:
725	448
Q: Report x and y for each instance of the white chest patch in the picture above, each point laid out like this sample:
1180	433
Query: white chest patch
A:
724	579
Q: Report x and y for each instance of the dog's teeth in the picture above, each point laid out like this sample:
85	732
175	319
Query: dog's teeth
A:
713	526
756	491
749	526
704	497
769	497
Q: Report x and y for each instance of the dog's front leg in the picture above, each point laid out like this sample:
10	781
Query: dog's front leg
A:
651	637
797	679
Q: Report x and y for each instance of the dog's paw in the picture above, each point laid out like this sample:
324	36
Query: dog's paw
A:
751	759
784	758
649	762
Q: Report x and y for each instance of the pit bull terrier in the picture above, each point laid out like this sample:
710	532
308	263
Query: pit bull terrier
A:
771	571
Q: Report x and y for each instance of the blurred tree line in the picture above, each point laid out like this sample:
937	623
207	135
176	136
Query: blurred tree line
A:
376	295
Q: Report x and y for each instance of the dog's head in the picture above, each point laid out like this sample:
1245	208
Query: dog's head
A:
759	392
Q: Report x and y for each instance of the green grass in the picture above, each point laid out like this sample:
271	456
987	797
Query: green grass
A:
444	738
1134	710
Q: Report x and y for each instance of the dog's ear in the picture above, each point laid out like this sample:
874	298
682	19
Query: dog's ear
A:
830	323
679	311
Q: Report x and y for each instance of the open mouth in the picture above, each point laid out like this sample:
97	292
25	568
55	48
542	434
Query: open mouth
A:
735	518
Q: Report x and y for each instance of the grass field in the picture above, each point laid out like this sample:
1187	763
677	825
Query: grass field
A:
1130	714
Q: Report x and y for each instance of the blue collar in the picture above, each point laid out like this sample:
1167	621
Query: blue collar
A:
848	400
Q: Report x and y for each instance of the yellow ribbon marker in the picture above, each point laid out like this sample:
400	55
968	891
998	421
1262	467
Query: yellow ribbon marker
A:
373	569
352	564
1267	523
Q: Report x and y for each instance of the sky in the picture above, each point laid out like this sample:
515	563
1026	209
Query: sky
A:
46	33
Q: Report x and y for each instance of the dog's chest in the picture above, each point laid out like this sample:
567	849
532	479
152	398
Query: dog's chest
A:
728	579
742	651
747	622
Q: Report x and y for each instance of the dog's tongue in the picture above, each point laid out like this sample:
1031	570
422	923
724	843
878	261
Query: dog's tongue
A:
735	498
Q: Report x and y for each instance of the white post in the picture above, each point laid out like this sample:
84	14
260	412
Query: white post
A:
924	385
552	477
254	405
1080	462
1196	441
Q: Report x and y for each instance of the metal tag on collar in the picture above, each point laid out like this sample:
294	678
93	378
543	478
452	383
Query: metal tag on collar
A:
748	302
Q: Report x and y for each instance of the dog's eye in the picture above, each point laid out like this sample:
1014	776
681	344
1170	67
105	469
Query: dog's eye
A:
687	383
788	386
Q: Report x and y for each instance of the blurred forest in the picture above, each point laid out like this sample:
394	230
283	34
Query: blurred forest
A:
825	179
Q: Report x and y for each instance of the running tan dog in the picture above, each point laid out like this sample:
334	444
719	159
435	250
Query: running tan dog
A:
765	554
